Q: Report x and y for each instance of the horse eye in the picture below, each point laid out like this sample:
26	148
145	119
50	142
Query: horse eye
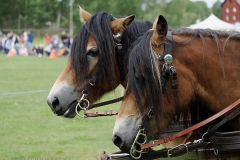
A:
93	52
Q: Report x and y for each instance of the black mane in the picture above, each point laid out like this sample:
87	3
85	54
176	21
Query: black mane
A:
144	75
99	27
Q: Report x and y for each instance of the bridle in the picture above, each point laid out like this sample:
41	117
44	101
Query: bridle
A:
167	70
84	104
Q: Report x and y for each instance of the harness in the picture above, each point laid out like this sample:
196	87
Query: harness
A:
169	70
226	143
140	145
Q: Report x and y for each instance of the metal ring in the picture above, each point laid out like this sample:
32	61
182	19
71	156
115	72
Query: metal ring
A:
133	154
145	139
133	150
204	135
84	101
83	94
185	145
81	116
91	82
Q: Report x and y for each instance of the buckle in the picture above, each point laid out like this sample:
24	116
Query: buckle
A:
169	154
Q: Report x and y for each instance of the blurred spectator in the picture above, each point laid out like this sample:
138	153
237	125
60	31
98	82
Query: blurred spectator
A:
65	39
55	42
1	41
33	51
23	50
48	49
7	44
40	50
25	39
29	40
47	39
15	42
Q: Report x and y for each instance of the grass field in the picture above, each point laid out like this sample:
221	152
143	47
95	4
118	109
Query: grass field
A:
29	129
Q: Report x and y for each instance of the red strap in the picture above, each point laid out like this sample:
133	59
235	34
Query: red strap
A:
91	113
190	129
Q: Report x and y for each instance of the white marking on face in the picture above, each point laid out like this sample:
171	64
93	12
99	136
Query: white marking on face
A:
126	128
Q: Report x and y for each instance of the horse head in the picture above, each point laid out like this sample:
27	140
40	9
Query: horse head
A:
144	89
195	81
92	68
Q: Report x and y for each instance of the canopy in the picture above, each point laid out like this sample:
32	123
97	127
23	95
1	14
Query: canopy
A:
212	22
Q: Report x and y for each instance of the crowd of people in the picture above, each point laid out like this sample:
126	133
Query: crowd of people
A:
14	44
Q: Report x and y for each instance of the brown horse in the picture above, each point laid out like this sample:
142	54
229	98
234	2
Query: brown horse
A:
94	68
208	70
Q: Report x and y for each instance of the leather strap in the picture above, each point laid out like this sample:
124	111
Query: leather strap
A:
91	83
174	87
194	127
163	153
91	113
119	51
107	102
226	140
168	47
223	121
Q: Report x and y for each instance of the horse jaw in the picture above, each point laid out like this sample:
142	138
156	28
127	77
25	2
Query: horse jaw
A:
62	99
124	132
64	93
126	125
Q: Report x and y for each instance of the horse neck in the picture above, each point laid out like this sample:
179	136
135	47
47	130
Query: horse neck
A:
213	73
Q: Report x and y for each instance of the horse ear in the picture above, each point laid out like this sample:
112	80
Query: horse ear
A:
120	24
84	15
160	28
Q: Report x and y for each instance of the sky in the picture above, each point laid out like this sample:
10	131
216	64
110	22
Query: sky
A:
209	2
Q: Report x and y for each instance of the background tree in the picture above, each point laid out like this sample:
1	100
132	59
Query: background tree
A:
216	9
177	13
54	14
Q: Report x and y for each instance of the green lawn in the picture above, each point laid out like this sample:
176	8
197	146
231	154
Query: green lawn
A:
29	129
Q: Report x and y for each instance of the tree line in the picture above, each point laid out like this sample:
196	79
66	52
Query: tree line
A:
56	13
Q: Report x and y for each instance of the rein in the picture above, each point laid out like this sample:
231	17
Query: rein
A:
230	140
84	104
198	125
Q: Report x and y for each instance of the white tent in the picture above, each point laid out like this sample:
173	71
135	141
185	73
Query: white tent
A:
212	22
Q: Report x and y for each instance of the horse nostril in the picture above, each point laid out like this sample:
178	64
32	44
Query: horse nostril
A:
117	140
55	104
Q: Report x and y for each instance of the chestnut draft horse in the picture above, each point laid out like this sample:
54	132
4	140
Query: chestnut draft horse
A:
95	67
208	70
